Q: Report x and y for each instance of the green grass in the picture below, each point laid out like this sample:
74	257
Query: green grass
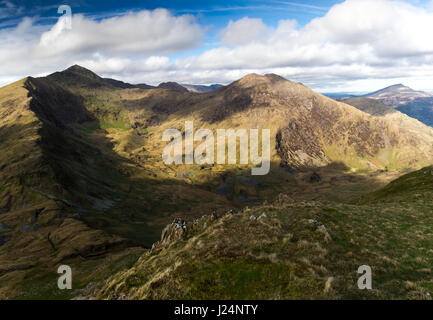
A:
242	279
285	256
417	184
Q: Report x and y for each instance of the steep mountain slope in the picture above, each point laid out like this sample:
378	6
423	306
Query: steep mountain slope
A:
379	109
83	132
66	197
294	250
308	128
270	94
408	188
41	225
370	106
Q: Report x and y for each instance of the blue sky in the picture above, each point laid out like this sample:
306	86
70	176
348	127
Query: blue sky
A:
214	14
353	45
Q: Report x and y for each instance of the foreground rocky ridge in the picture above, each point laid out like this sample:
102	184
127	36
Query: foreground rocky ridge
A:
293	250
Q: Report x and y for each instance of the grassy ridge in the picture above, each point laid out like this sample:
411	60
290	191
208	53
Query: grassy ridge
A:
287	250
408	188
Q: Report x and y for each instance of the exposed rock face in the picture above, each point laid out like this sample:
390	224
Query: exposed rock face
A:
298	145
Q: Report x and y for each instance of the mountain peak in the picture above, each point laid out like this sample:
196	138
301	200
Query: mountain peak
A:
76	67
396	86
397	95
172	86
266	77
251	76
275	77
254	79
79	70
397	89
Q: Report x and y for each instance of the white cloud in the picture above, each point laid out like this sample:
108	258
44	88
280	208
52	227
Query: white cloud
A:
115	66
356	31
110	45
356	44
144	32
244	31
357	39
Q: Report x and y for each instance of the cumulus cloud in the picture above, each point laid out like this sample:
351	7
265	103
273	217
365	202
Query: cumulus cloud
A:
354	45
357	39
112	44
115	66
143	32
244	31
356	31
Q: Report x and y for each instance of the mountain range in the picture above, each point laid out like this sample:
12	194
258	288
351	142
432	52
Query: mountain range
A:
82	183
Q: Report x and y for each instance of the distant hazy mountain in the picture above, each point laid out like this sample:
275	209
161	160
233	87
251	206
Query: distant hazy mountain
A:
189	87
201	88
397	95
416	104
340	95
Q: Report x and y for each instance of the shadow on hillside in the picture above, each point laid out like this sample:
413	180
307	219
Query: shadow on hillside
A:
201	190
123	197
